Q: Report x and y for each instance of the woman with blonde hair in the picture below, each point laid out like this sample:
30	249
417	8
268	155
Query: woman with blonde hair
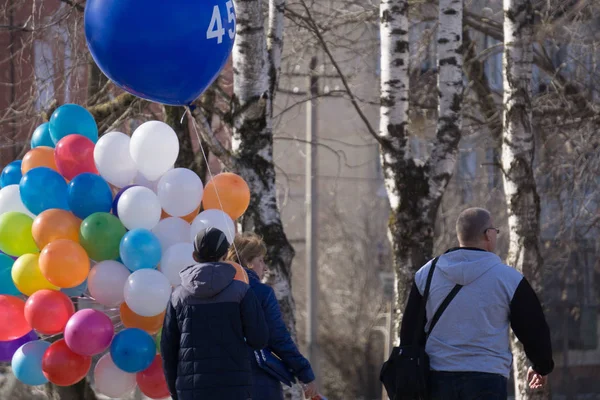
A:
249	250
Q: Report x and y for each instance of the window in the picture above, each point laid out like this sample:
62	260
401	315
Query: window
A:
493	63
44	73
467	167
491	168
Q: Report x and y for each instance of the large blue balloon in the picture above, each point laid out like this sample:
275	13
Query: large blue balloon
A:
70	119
11	174
164	51
140	249
41	136
9	348
7	286
43	188
132	350
89	194
27	363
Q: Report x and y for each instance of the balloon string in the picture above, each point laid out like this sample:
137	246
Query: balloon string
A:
194	124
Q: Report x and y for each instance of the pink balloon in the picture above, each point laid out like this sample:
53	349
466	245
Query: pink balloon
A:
89	332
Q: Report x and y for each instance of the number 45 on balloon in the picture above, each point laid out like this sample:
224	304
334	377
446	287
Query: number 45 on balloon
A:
215	28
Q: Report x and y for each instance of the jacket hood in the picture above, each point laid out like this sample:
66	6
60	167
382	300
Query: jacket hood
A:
464	266
207	280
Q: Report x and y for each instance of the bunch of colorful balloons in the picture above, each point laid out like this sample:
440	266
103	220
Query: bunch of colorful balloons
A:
108	219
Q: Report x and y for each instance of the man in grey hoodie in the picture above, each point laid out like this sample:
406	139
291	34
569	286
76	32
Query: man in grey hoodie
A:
469	348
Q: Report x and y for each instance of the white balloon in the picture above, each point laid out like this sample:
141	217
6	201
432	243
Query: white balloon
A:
154	147
147	292
175	259
213	219
139	207
110	380
106	282
113	160
170	231
180	191
10	200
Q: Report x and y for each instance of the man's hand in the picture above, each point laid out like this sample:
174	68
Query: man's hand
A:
536	381
310	390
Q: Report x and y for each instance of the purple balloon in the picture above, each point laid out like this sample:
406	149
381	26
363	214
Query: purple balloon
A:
8	255
89	332
116	200
7	349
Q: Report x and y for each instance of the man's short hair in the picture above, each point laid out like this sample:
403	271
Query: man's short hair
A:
471	224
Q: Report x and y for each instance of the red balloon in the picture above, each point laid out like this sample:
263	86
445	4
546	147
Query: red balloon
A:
74	155
62	366
48	311
13	324
152	380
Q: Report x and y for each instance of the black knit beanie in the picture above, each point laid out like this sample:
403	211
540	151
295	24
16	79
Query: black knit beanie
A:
210	245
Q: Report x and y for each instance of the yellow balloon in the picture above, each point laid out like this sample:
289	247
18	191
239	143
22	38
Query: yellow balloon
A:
16	238
27	276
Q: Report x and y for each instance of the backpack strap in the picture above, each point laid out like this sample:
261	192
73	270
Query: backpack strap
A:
443	306
422	310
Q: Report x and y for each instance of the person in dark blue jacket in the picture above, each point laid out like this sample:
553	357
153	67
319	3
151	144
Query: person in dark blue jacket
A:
210	321
249	251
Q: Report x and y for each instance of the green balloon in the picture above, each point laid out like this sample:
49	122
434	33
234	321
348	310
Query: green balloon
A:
158	336
100	235
15	234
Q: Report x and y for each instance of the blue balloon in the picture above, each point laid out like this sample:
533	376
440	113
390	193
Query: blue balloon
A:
70	119
76	291
7	286
11	174
140	249
132	350
88	194
27	363
41	136
164	51
43	188
8	349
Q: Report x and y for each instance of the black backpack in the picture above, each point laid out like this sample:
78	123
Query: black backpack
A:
405	374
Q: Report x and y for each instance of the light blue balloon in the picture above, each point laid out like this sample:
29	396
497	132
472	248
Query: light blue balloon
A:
132	350
72	118
140	249
27	363
43	188
88	194
11	174
7	286
77	290
41	136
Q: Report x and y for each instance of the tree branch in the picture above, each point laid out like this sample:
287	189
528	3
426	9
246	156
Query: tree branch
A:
207	135
79	6
353	99
117	105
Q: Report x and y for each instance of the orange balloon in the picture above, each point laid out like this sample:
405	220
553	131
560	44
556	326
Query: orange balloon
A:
13	324
55	224
240	272
132	320
234	194
64	263
41	156
188	218
62	366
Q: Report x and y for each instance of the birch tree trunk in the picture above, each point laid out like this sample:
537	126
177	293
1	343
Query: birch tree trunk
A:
415	188
256	65
518	149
